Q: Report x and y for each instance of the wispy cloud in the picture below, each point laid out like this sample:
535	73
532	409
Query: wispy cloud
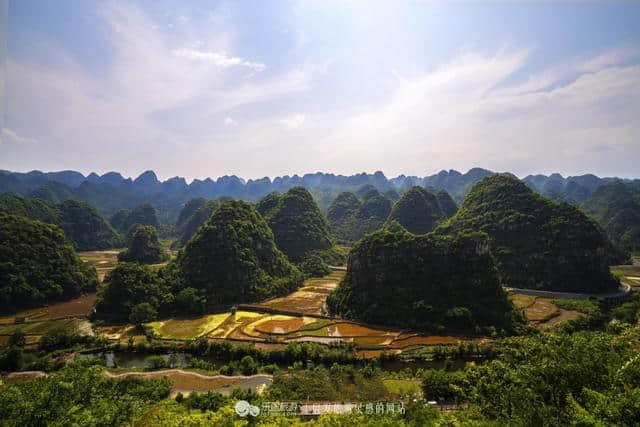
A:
293	122
218	59
11	136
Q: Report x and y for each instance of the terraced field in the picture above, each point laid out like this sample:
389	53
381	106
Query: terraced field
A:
310	298
541	312
103	261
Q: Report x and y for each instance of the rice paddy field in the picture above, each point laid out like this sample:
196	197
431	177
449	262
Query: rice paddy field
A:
186	381
541	312
184	329
628	274
35	330
103	261
310	298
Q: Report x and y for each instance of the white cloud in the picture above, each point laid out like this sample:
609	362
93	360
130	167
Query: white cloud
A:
10	135
221	60
230	122
293	122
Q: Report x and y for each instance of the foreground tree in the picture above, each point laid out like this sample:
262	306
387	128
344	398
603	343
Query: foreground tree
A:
132	292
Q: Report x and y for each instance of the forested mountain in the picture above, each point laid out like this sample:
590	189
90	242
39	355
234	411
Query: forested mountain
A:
81	223
38	264
298	226
537	243
111	191
427	282
144	214
350	217
185	230
233	258
420	211
144	247
617	207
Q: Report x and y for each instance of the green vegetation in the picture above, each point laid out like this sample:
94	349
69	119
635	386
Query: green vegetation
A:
351	218
537	244
550	379
300	230
144	247
38	265
132	292
144	214
78	396
419	211
195	221
233	258
297	224
427	282
82	224
616	206
590	307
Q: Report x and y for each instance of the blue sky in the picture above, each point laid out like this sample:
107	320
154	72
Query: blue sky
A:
267	88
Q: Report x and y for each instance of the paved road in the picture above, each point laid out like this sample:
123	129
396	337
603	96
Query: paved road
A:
623	292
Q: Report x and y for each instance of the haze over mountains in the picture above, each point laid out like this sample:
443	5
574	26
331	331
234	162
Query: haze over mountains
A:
148	186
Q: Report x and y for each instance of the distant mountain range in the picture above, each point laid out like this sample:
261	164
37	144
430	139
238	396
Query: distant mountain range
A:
111	191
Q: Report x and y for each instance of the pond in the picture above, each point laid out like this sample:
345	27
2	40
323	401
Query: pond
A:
135	360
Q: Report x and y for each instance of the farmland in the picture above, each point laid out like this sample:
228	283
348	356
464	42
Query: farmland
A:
310	298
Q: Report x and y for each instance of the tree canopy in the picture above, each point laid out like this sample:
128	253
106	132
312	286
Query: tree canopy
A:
350	218
616	206
419	211
298	225
81	222
127	288
233	258
537	243
144	247
38	264
428	282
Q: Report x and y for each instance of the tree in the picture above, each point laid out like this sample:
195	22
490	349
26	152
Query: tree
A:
143	313
189	300
233	258
38	264
537	244
418	210
18	338
127	286
144	247
427	282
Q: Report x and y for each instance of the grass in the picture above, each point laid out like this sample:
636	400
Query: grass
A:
522	301
583	306
399	387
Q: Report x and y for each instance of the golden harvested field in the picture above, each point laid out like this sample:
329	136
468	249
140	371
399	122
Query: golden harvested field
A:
541	310
563	316
232	323
345	329
183	329
186	381
310	298
103	261
77	307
